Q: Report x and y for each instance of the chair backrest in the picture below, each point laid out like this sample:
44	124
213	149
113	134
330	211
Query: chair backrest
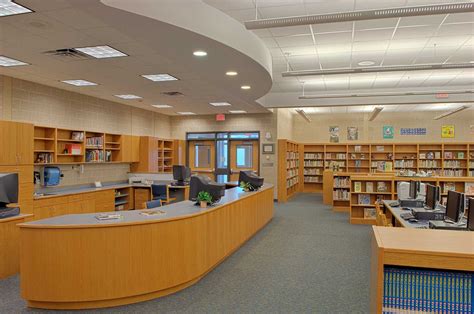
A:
158	189
153	204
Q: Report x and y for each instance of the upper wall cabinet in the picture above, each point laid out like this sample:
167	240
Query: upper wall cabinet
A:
17	143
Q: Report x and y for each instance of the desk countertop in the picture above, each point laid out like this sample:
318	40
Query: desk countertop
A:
172	211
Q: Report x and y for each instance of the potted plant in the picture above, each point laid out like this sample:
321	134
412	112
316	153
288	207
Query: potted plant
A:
246	186
204	198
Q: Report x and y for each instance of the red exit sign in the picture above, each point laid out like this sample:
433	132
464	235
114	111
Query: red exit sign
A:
442	95
220	117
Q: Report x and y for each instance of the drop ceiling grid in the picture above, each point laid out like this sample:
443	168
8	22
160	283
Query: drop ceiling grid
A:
411	40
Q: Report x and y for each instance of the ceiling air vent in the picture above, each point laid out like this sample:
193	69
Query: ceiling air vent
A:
69	53
172	94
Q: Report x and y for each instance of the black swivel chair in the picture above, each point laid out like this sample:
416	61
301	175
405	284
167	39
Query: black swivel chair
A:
159	192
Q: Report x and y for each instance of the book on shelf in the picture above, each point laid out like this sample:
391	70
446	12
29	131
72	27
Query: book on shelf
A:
460	155
94	155
363	199
72	149
380	148
469	188
382	186
369	187
95	141
341	182
357	187
369	213
437	155
77	136
44	158
449	186
357	148
423	156
340	195
448	155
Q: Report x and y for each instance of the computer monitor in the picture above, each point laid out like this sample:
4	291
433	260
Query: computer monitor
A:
250	177
454	206
181	174
470	214
8	188
432	196
203	183
414	189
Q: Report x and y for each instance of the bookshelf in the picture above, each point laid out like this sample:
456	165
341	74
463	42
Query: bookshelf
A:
44	142
313	163
406	157
471	160
335	157
455	160
429	158
94	147
165	155
381	157
341	192
113	148
70	146
124	199
358	158
290	172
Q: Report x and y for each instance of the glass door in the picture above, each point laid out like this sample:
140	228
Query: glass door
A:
202	157
244	155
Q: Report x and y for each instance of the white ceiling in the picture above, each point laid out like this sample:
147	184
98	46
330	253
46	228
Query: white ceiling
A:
398	41
152	47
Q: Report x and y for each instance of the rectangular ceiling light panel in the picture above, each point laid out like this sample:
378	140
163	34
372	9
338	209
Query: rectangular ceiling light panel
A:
220	104
101	52
160	77
237	111
128	96
186	113
79	82
162	106
8	7
9	62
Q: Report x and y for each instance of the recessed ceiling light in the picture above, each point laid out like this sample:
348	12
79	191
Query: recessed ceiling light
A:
9	62
161	106
11	8
245	87
160	77
200	53
186	113
237	111
79	83
101	52
128	96
219	104
231	73
366	63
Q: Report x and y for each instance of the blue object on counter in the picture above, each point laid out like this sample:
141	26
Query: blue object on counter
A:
52	176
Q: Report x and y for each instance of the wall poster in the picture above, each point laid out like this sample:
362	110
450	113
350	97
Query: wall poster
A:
334	134
447	131
352	133
388	131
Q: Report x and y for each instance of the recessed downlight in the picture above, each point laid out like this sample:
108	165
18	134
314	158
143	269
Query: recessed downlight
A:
79	83
245	87
162	106
237	111
200	53
9	62
231	73
186	113
101	52
366	63
128	96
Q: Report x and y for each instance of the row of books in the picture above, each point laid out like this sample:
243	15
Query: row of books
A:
454	155
94	155
365	199
292	163
95	141
313	171
453	173
313	156
381	186
339	156
341	182
471	164
452	164
471	173
404	163
291	173
292	155
358	156
333	163
340	195
430	155
313	163
291	182
312	179
382	165
449	186
429	164
423	290
44	158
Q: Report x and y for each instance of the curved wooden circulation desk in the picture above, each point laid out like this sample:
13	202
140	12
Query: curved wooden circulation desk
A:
79	262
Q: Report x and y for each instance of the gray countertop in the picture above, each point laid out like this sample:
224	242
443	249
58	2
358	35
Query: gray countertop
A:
174	210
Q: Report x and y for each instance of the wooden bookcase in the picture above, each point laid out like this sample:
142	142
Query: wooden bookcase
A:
335	157
124	199
455	160
313	163
381	157
289	171
156	155
341	192
44	149
113	148
358	158
70	146
165	155
430	158
471	160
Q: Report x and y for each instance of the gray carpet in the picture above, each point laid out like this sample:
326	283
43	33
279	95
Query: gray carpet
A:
308	259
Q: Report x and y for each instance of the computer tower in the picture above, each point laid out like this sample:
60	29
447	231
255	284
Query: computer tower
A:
428	214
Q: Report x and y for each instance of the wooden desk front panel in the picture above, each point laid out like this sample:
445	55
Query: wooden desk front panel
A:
10	246
87	267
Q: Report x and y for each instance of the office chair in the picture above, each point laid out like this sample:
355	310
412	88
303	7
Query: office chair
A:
153	204
159	192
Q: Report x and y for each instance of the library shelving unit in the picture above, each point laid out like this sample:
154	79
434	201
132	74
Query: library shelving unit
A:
165	155
70	146
365	192
289	170
113	148
124	199
429	158
455	160
358	158
381	157
471	160
44	145
313	163
335	157
94	147
406	157
341	192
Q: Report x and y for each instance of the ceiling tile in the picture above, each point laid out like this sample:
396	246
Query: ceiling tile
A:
414	32
231	4
302	50
333	27
372	5
335	38
370	45
458	29
292	41
368	35
289	31
422	20
281	11
460	17
374	24
321	7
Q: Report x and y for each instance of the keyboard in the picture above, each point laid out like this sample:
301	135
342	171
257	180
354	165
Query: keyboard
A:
422	227
407	216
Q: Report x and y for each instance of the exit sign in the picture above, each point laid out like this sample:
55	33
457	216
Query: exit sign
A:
220	117
442	95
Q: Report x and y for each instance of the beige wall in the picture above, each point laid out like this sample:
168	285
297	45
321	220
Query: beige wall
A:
285	123
371	131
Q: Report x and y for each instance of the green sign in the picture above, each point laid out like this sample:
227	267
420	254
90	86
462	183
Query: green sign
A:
388	131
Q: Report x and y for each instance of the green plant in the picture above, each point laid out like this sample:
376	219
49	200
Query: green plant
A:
246	186
204	196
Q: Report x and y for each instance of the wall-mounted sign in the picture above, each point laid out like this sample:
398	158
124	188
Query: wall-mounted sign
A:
220	117
388	131
334	134
268	148
413	131
447	131
352	133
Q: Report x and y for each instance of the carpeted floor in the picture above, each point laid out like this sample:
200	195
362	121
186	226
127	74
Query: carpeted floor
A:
307	259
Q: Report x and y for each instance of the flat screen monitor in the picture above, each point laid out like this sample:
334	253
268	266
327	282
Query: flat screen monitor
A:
181	174
8	188
203	183
250	177
414	187
454	206
432	196
470	214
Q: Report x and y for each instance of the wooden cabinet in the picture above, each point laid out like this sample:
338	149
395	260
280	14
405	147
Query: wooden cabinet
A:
135	155
10	245
148	155
130	148
17	143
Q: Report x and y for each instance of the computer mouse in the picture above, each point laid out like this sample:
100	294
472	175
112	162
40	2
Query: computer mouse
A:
413	220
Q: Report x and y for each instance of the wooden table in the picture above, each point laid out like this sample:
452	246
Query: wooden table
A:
79	262
410	247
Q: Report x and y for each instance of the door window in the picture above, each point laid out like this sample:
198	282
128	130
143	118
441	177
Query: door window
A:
202	156
244	156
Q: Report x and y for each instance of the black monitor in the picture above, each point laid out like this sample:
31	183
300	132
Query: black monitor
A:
432	196
454	206
250	177
203	183
181	174
470	214
414	189
8	188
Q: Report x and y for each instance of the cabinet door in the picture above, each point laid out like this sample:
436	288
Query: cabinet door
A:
8	140
126	148
24	143
135	152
